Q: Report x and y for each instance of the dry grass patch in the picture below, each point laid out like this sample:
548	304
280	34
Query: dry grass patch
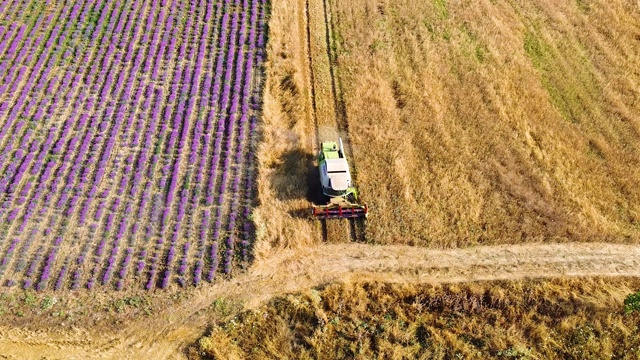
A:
493	121
541	319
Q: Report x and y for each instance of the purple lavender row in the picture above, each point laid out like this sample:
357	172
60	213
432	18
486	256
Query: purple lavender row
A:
199	158
125	179
38	191
71	119
8	56
165	40
231	122
141	169
224	103
112	261
194	91
32	269
62	274
45	274
41	77
43	105
222	126
241	151
124	268
250	180
174	239
181	122
158	199
223	40
111	142
31	46
123	94
48	143
108	92
240	95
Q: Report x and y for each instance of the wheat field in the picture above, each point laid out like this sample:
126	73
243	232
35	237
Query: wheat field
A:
470	123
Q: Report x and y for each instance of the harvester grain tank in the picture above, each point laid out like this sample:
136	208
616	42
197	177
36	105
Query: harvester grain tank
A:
337	185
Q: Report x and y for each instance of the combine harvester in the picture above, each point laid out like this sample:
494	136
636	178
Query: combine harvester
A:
337	186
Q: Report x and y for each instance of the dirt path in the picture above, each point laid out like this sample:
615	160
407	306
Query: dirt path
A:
166	336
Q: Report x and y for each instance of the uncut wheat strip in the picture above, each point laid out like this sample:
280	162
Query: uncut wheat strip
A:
177	118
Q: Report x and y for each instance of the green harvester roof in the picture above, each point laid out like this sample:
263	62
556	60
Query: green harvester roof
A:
330	150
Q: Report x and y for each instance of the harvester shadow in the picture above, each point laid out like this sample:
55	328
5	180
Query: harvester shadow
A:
295	176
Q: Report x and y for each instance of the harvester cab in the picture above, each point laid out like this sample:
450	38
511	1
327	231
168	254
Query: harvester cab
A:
337	185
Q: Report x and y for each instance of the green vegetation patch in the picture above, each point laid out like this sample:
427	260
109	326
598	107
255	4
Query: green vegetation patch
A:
566	73
632	303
